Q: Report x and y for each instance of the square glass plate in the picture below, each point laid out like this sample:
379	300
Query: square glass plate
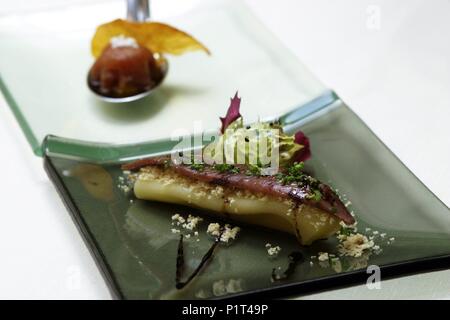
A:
45	57
134	247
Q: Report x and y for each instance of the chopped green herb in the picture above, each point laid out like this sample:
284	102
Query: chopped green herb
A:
253	170
198	166
345	231
226	168
295	175
316	196
296	169
234	170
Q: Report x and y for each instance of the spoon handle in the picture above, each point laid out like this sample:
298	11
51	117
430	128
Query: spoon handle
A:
138	10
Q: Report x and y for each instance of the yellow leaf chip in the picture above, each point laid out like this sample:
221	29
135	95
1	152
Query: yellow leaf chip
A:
155	36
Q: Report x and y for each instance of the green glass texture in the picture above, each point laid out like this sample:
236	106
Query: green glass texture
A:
45	57
132	239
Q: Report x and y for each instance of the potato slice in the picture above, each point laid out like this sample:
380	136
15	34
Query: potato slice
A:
306	222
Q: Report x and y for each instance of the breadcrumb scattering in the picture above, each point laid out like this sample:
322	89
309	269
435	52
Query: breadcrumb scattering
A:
226	233
192	222
126	182
272	251
178	219
323	256
229	233
213	229
354	245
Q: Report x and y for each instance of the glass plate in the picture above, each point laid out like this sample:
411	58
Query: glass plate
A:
134	247
45	57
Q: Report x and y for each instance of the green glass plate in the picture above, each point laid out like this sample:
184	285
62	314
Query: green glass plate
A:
133	244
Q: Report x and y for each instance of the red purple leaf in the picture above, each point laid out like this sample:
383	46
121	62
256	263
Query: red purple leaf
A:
304	153
232	113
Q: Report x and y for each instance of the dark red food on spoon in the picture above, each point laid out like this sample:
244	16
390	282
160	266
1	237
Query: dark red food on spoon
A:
124	71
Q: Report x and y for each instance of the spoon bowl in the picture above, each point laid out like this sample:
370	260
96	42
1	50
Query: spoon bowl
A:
137	11
163	65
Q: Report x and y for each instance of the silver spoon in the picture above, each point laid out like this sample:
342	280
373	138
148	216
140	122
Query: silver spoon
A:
138	11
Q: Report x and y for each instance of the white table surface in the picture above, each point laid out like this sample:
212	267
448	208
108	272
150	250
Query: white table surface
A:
389	60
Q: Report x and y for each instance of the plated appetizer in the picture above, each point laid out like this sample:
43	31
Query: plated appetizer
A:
130	56
288	199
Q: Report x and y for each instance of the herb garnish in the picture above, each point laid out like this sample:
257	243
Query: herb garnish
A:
316	195
295	175
226	168
345	231
197	166
253	170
